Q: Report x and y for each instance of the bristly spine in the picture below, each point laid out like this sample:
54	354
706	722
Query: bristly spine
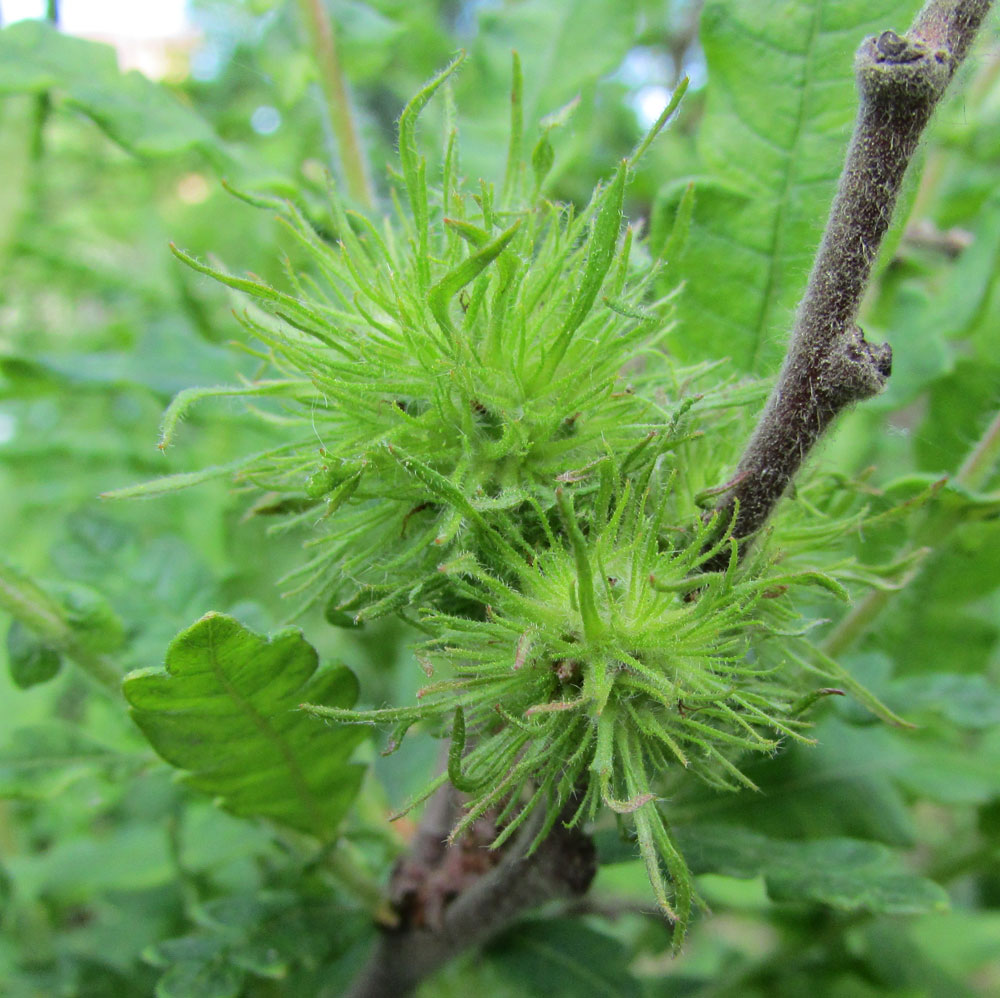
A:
488	473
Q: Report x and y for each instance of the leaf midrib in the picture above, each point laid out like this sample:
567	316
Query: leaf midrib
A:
299	783
778	227
552	955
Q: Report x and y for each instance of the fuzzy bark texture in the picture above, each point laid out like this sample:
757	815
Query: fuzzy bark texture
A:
450	897
829	364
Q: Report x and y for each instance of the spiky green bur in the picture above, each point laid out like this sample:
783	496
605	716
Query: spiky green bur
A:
468	451
605	661
482	332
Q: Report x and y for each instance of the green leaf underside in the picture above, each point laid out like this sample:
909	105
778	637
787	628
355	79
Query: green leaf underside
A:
563	957
846	874
779	113
224	710
135	112
40	760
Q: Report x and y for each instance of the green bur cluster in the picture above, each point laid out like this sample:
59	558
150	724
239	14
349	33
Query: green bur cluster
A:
471	457
482	334
605	660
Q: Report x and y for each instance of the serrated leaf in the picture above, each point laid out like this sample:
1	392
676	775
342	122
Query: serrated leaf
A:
846	874
563	958
224	709
781	99
843	786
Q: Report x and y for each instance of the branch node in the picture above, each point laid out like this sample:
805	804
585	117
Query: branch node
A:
902	70
853	370
829	364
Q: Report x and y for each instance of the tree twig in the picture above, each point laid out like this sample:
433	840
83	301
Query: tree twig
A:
434	927
829	365
331	77
924	234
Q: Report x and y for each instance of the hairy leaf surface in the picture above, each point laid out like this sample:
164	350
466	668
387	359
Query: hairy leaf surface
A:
780	105
224	710
844	873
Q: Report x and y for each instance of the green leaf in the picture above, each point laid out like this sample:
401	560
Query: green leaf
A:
26	600
564	958
30	661
208	978
846	874
970	702
138	114
781	100
15	168
365	39
853	879
946	617
842	786
69	618
224	710
130	856
958	412
966	772
565	48
94	623
962	942
271	934
949	306
42	760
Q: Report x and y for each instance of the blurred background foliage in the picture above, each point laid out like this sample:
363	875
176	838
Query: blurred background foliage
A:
115	879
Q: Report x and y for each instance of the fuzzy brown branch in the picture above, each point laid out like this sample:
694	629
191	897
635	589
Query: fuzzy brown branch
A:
829	365
453	897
